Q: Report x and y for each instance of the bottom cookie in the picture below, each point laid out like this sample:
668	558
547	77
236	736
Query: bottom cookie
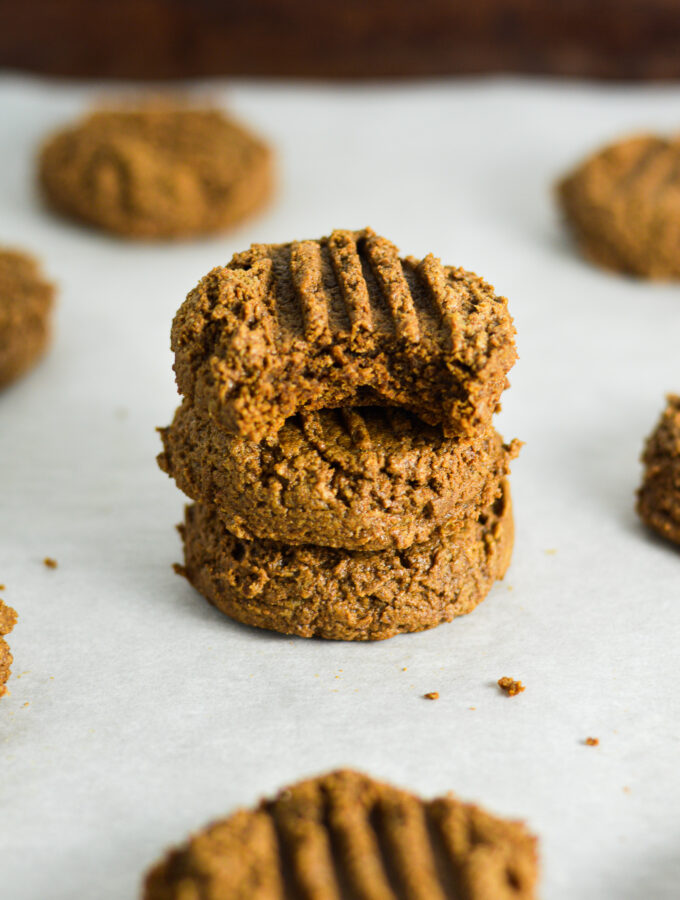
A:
8	619
659	497
346	836
343	594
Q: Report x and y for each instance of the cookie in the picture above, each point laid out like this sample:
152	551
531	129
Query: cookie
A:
338	322
8	619
623	204
659	497
344	836
368	478
25	304
357	595
156	170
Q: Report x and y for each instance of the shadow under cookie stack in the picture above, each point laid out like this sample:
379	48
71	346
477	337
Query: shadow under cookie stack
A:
336	436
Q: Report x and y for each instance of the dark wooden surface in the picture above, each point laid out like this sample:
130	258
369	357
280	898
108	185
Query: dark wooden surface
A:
630	39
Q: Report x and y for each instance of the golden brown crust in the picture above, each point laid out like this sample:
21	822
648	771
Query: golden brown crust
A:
623	205
345	836
25	304
364	478
8	619
337	594
341	322
658	501
156	170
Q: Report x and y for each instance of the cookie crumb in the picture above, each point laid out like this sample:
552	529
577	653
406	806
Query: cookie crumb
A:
510	686
551	552
591	742
432	695
472	707
179	570
405	669
2	587
50	563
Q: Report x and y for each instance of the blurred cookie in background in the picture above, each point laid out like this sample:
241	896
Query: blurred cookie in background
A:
156	169
26	299
623	206
8	619
659	497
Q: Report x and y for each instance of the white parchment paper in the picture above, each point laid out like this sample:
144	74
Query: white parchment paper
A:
138	713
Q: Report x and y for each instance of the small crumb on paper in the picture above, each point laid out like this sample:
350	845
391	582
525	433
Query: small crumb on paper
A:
432	695
50	563
510	686
591	742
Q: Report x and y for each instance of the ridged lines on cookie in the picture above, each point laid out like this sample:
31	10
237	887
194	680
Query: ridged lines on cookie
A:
335	847
356	282
307	274
384	259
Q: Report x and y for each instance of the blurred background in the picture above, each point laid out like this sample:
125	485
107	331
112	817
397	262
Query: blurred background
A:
155	39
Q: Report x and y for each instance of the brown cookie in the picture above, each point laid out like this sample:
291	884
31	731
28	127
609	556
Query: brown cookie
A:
339	322
25	304
8	619
366	478
156	170
344	836
623	204
355	595
659	497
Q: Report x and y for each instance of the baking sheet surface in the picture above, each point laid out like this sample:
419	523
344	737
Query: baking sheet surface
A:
137	712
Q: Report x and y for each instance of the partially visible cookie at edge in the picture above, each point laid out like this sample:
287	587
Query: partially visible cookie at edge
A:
26	300
156	169
345	835
359	595
365	478
8	619
658	501
338	322
623	206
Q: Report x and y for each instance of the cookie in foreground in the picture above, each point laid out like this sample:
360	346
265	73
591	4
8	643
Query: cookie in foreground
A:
313	591
368	478
338	322
157	169
26	299
658	500
623	206
344	836
8	619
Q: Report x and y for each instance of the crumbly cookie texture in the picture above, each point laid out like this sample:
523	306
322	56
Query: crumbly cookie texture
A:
344	836
156	170
26	300
365	478
325	592
623	205
8	619
340	322
658	501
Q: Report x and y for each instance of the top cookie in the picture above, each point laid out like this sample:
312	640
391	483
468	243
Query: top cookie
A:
342	321
156	171
25	304
345	836
623	204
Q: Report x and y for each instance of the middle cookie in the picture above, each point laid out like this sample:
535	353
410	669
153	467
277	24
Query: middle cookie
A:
371	478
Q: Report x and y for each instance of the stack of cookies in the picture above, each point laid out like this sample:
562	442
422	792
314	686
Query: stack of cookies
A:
336	436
